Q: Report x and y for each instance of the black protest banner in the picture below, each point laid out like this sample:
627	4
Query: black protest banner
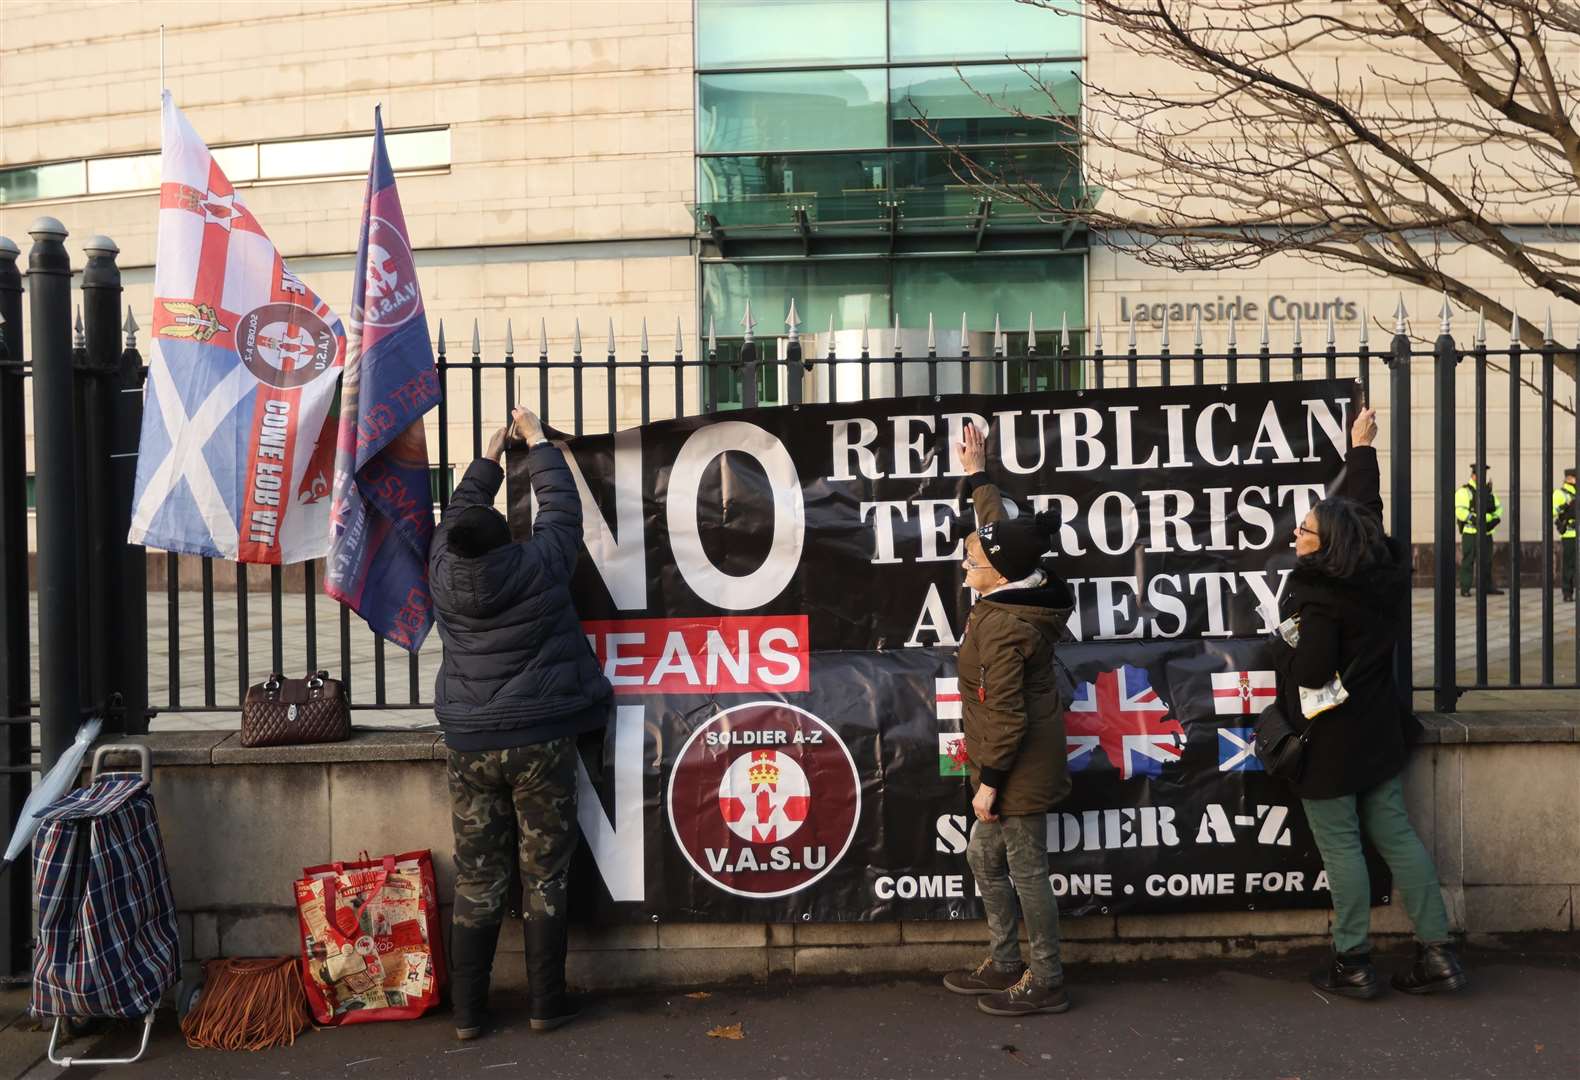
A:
776	594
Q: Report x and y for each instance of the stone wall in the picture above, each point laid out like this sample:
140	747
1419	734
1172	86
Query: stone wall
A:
1493	796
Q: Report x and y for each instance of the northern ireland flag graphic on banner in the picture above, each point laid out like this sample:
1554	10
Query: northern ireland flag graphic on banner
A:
1243	693
235	459
382	514
1120	717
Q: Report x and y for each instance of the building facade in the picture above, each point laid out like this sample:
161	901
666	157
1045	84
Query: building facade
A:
660	162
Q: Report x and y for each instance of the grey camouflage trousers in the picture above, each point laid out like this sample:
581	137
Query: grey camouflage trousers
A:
518	803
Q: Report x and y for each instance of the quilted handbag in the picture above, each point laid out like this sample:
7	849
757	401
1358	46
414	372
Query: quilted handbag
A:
285	712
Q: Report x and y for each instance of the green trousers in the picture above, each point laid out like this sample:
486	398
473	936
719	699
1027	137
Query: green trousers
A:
1475	561
1337	826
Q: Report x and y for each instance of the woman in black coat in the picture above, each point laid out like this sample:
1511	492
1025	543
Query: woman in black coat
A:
1347	606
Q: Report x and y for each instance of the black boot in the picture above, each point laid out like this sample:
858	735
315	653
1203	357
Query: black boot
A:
471	967
1348	975
551	1007
1436	971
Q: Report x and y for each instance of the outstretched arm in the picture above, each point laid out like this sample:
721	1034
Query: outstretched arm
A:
984	493
1361	479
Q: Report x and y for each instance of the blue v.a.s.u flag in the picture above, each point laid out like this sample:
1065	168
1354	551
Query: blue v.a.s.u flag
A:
381	516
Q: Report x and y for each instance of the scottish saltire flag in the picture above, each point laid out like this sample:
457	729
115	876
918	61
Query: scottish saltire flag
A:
1237	750
235	455
382	514
1119	714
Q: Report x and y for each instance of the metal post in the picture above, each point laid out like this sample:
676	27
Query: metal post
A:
15	665
101	301
127	433
49	295
1445	357
1399	486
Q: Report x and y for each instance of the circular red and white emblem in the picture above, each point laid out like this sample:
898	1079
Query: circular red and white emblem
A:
391	293
285	345
764	799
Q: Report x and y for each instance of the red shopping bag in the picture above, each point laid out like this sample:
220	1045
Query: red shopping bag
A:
371	946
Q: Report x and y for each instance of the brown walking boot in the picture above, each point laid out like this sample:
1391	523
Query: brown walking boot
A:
1025	998
983	979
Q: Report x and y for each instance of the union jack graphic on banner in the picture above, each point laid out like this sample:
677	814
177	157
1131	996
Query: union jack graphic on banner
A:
235	455
1120	714
382	513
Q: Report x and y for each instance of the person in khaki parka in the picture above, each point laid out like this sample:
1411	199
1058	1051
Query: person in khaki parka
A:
1014	735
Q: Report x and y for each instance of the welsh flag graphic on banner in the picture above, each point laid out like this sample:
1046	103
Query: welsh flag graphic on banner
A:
235	456
383	506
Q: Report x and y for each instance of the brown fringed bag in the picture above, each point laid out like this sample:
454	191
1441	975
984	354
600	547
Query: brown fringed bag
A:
248	1005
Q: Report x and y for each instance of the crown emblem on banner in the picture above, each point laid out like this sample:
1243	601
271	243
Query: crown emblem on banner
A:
763	770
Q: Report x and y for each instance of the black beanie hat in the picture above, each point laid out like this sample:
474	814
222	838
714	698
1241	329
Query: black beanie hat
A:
477	531
1015	546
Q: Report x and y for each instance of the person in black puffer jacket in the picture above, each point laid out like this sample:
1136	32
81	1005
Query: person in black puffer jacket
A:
1348	595
517	684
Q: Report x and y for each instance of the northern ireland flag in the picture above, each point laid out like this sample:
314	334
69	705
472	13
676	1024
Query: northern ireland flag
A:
1243	693
1121	715
234	459
382	512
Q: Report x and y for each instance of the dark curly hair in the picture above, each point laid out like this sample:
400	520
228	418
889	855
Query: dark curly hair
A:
1351	536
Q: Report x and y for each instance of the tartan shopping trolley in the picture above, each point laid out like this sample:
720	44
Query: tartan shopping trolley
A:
108	946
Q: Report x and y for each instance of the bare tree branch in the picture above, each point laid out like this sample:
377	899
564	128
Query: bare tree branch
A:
1367	137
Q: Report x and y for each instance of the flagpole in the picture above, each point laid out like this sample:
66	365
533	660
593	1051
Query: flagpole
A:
163	86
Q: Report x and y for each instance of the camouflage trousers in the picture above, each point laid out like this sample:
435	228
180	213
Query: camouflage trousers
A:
518	803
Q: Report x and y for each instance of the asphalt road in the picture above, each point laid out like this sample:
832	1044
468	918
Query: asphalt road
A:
1519	1019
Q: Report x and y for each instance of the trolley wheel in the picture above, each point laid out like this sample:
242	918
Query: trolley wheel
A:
187	994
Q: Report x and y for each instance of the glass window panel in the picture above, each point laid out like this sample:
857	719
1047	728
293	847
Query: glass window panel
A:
238	163
349	156
1050	286
417	149
846	290
791	110
139	173
772	33
927	183
763	188
980	30
58	181
315	157
951	102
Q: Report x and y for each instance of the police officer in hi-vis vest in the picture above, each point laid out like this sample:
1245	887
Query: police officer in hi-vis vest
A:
1475	537
1564	522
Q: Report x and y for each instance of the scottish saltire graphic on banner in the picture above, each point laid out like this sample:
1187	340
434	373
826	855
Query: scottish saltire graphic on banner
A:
382	515
1128	721
1243	693
1237	750
234	460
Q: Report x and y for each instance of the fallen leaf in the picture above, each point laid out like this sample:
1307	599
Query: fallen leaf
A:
1540	1048
729	1031
700	995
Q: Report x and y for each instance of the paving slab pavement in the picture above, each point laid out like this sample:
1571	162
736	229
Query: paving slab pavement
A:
1180	1021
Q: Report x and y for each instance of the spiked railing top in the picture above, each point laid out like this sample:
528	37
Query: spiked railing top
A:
1399	316
131	328
576	338
792	320
1198	339
611	337
1447	315
748	322
644	337
680	342
932	338
543	339
1267	337
477	339
1097	335
79	340
713	340
510	338
1064	331
1366	322
441	337
1234	333
1333	337
1297	339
